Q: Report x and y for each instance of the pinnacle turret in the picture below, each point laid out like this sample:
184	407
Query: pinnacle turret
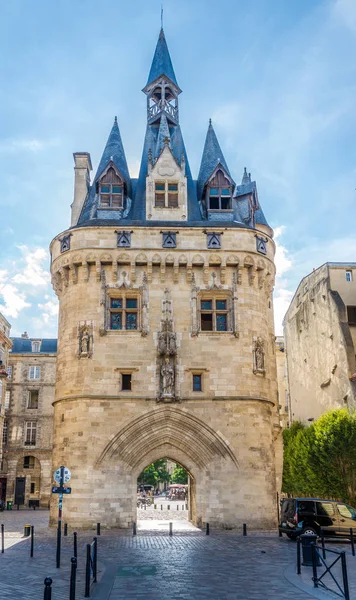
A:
161	63
212	156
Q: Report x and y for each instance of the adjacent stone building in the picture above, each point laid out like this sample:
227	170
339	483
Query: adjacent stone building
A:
5	346
29	420
320	336
166	342
282	381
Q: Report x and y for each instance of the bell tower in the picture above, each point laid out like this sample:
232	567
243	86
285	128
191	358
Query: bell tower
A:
162	89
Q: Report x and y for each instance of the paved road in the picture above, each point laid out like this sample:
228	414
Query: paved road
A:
152	565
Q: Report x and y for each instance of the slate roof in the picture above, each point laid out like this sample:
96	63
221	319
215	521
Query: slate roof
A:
135	210
113	152
212	156
24	345
161	63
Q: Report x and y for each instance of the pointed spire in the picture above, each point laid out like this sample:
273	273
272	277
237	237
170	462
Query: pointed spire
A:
114	152
163	137
161	64
246	178
212	156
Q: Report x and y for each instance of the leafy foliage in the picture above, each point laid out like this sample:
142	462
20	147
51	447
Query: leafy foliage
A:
179	475
320	460
155	472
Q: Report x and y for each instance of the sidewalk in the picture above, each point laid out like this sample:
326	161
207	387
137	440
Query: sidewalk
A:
152	565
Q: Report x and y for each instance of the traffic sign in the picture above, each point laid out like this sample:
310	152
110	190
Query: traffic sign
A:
61	490
66	475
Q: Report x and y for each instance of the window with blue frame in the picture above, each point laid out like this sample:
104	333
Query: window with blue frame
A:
219	192
197	382
214	314
111	190
123	313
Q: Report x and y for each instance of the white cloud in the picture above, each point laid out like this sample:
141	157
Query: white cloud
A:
281	302
33	145
49	308
14	301
33	273
282	262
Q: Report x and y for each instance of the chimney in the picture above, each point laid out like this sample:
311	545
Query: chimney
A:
25	336
82	170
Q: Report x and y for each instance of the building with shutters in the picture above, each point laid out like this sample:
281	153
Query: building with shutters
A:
166	344
5	346
28	441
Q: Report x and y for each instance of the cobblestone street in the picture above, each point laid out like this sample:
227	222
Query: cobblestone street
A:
152	565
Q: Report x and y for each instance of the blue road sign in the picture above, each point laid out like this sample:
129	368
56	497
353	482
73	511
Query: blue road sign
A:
61	490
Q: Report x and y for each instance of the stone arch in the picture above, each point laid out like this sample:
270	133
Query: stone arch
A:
123	259
141	259
171	426
248	261
182	260
232	260
198	260
156	259
105	258
214	259
169	260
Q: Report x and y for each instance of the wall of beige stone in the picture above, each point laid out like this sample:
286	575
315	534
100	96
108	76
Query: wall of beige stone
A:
320	350
5	346
17	415
226	436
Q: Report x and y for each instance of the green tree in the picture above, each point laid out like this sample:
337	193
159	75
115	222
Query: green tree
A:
179	475
320	460
155	472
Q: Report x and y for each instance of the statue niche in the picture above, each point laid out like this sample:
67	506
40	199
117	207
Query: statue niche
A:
167	352
85	341
259	356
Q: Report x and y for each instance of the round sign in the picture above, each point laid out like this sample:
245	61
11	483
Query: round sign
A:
66	475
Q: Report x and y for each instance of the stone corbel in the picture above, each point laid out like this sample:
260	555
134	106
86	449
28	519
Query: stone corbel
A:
194	307
102	288
74	273
206	275
86	268
133	271
149	271
239	275
235	327
64	273
114	271
223	274
145	316
98	270
251	275
260	278
163	272
189	273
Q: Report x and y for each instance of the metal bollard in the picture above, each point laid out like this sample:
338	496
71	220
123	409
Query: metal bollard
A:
161	506
2	538
323	544
48	589
170	528
244	529
32	540
145	506
18	507
87	573
98	529
65	529
279	533
352	541
75	545
73	577
314	564
344	576
168	507
298	557
134	528
177	506
95	558
207	530
155	506
58	550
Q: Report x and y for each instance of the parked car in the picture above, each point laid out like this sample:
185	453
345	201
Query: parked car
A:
309	515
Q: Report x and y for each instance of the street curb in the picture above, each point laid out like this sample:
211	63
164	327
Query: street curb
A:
296	580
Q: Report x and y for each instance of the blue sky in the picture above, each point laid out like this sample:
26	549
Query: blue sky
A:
277	78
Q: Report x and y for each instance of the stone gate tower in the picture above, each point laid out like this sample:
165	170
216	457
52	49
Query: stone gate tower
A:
166	340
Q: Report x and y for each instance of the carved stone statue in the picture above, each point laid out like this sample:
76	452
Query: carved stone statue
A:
167	378
259	355
84	342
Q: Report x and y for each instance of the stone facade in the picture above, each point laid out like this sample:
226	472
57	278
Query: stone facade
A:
320	336
282	381
29	418
5	346
166	344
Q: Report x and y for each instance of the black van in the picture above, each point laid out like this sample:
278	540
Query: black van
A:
309	515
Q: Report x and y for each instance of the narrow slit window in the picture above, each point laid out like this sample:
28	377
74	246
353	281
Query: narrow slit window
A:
197	383
126	382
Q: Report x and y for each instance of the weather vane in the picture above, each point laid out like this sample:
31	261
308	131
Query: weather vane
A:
161	16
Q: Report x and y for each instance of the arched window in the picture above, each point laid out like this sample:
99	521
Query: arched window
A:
111	190
219	192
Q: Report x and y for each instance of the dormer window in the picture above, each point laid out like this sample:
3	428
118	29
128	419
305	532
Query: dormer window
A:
36	346
111	190
166	194
219	192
